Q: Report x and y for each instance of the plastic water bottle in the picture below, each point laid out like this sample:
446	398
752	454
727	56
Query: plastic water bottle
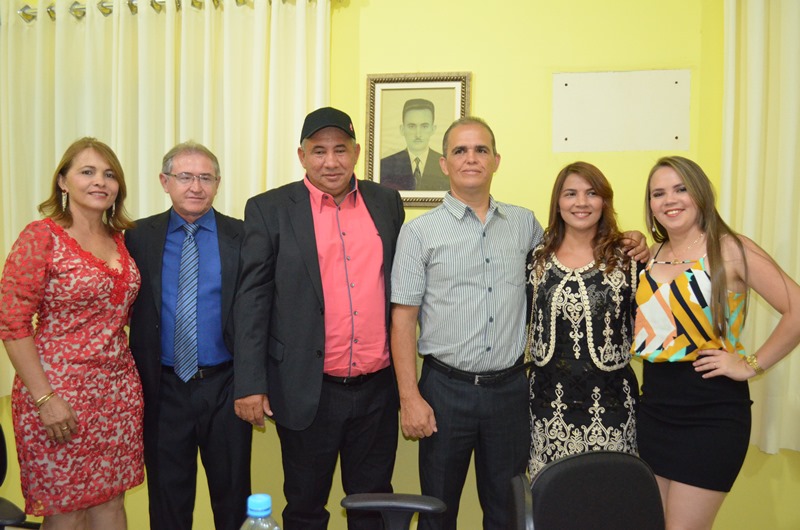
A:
259	513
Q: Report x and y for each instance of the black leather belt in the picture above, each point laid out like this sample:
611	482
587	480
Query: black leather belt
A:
354	380
203	372
475	378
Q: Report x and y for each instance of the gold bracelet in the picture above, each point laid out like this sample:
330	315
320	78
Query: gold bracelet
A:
44	399
752	361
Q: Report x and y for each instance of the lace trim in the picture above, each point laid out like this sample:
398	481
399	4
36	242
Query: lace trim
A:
575	307
554	437
120	278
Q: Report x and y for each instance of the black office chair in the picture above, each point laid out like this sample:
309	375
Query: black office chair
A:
397	509
521	503
598	490
10	514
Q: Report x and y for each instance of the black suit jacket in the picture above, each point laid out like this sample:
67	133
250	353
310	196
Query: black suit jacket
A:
280	310
146	245
397	172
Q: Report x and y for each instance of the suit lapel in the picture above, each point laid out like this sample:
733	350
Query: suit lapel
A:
157	236
299	210
227	239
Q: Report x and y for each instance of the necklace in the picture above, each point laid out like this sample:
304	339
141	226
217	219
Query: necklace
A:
680	261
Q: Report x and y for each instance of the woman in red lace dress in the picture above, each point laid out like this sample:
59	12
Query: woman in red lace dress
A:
65	296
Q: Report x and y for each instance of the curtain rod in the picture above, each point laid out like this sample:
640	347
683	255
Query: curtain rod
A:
106	7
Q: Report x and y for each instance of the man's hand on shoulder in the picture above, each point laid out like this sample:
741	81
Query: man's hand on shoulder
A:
253	409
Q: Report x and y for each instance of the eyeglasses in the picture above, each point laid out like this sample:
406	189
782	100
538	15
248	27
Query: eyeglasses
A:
185	179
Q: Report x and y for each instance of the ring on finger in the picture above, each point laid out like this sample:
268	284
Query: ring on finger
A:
65	428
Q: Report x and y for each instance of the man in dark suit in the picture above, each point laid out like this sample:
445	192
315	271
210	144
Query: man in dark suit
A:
189	404
312	319
417	166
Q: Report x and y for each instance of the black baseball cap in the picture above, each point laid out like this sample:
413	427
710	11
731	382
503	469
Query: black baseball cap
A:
327	117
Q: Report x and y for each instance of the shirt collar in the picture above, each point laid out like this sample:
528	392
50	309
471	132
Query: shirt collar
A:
317	195
423	158
458	209
206	221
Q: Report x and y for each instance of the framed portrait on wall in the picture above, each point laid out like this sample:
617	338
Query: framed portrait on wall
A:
407	117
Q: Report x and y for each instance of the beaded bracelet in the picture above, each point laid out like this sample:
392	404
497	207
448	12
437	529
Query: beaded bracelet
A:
752	361
44	399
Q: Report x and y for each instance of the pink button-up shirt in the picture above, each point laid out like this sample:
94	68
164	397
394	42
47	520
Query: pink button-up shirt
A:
351	265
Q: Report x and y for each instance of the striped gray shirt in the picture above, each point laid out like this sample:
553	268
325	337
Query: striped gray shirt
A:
468	280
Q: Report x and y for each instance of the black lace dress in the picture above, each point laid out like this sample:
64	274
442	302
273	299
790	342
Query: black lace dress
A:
583	393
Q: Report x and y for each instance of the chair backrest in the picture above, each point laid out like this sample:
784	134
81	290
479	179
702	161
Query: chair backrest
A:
521	503
3	457
599	490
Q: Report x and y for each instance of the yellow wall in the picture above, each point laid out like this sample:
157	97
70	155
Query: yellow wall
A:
512	48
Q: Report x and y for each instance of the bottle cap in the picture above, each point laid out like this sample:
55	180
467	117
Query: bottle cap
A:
259	505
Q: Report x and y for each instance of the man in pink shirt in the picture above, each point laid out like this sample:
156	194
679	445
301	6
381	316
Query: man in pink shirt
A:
312	320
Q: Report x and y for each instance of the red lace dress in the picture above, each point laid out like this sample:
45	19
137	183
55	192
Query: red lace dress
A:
82	307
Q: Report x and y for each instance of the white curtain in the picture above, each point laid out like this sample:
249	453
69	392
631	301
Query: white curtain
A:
760	192
237	76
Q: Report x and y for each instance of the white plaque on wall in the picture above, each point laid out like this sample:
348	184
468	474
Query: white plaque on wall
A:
645	110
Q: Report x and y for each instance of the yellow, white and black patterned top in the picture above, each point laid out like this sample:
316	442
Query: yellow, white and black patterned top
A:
673	319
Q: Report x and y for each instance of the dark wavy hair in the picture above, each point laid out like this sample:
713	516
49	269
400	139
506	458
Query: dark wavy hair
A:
702	193
116	218
608	239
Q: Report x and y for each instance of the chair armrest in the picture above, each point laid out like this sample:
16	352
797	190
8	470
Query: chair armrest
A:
404	502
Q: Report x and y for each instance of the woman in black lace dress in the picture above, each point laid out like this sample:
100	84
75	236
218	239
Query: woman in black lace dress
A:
583	393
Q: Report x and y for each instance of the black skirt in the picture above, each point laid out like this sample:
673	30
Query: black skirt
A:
693	430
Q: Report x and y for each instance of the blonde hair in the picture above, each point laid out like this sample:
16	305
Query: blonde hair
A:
702	193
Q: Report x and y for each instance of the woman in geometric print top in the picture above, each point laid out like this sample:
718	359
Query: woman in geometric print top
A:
694	412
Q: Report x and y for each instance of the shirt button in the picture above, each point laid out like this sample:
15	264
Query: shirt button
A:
355	340
319	353
344	233
488	348
490	289
348	258
355	313
352	285
491	319
487	260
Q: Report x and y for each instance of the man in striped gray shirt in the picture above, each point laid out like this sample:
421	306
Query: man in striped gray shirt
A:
460	271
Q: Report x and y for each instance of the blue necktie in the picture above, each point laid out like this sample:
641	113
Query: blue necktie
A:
185	353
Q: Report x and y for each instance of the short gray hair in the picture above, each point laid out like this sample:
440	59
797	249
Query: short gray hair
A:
188	147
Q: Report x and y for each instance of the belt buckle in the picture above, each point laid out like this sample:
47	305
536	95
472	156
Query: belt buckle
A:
477	381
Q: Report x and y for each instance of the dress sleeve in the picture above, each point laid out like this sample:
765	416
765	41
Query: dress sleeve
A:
24	280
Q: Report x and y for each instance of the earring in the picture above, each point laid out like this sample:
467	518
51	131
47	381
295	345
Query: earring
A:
113	209
64	201
653	226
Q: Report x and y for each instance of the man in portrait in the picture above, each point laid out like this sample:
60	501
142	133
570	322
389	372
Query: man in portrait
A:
417	166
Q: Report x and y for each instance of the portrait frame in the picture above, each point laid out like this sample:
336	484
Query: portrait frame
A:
386	95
